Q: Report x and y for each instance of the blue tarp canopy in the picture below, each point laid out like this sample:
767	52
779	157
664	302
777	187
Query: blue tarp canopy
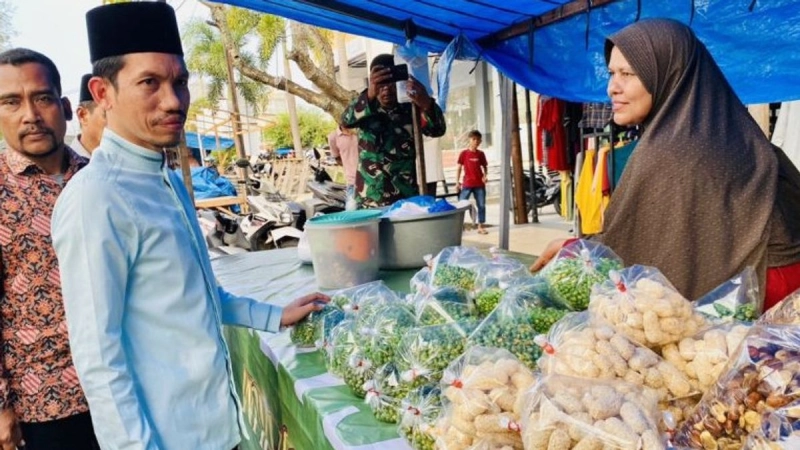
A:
555	47
209	142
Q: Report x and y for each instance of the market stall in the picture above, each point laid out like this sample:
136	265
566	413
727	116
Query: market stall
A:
281	385
590	353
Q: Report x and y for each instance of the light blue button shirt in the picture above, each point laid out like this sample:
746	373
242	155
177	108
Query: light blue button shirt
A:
143	307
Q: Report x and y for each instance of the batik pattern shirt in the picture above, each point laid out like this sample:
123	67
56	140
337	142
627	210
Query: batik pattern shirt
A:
387	169
38	381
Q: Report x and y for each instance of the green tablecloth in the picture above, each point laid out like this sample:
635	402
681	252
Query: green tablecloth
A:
281	385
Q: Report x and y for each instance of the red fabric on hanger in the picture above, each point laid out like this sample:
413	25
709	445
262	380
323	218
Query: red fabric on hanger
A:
551	120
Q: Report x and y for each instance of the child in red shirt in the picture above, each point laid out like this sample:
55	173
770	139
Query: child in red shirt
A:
475	167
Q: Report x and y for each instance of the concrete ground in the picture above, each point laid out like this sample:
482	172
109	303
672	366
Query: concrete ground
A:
527	238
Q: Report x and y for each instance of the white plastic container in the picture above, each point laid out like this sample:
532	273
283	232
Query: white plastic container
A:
345	248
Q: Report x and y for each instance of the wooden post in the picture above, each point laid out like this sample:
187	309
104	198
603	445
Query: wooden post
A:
761	114
531	156
520	211
419	147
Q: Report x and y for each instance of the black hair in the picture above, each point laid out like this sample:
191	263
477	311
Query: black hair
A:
475	134
19	56
109	68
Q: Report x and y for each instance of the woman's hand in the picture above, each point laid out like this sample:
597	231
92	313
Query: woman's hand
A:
549	253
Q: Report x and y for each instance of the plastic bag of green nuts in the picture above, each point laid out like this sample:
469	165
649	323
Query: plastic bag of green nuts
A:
457	267
357	371
511	327
308	332
735	299
420	281
355	300
383	331
577	267
760	383
384	393
424	352
344	340
430	311
493	278
325	325
419	411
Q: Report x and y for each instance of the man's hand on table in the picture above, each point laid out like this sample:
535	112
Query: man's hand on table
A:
302	307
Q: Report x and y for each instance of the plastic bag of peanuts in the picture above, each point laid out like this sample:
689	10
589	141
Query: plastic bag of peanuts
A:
642	304
566	413
481	392
584	346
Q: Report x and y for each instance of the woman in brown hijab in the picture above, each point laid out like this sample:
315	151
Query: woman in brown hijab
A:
704	194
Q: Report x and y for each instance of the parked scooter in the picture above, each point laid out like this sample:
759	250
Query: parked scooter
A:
547	191
328	196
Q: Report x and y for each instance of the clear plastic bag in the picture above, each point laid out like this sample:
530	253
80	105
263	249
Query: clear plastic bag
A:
383	330
779	431
420	281
357	372
642	304
481	391
493	278
577	267
457	267
761	380
384	393
562	412
514	324
419	411
343	342
703	357
353	301
425	352
787	312
581	346
735	299
307	332
326	325
430	311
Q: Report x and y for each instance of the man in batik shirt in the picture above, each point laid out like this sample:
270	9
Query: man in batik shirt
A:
387	156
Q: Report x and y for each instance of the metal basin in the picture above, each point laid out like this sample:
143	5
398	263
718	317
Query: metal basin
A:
404	241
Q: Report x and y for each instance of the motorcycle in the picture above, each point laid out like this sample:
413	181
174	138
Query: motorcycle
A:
327	196
547	191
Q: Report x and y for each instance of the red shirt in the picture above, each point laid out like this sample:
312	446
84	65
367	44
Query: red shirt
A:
38	378
472	160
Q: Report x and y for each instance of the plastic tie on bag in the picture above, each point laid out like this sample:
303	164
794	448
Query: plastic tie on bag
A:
541	341
586	256
510	425
413	373
616	278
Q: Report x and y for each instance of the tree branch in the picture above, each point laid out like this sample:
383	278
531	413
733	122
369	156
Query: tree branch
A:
333	99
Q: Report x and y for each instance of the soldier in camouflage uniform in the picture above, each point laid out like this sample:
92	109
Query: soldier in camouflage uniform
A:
387	169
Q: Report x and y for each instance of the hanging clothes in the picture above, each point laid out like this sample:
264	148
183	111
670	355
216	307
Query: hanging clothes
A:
787	131
617	162
550	121
591	196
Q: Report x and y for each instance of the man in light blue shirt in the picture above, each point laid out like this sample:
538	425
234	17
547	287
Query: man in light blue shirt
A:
143	308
